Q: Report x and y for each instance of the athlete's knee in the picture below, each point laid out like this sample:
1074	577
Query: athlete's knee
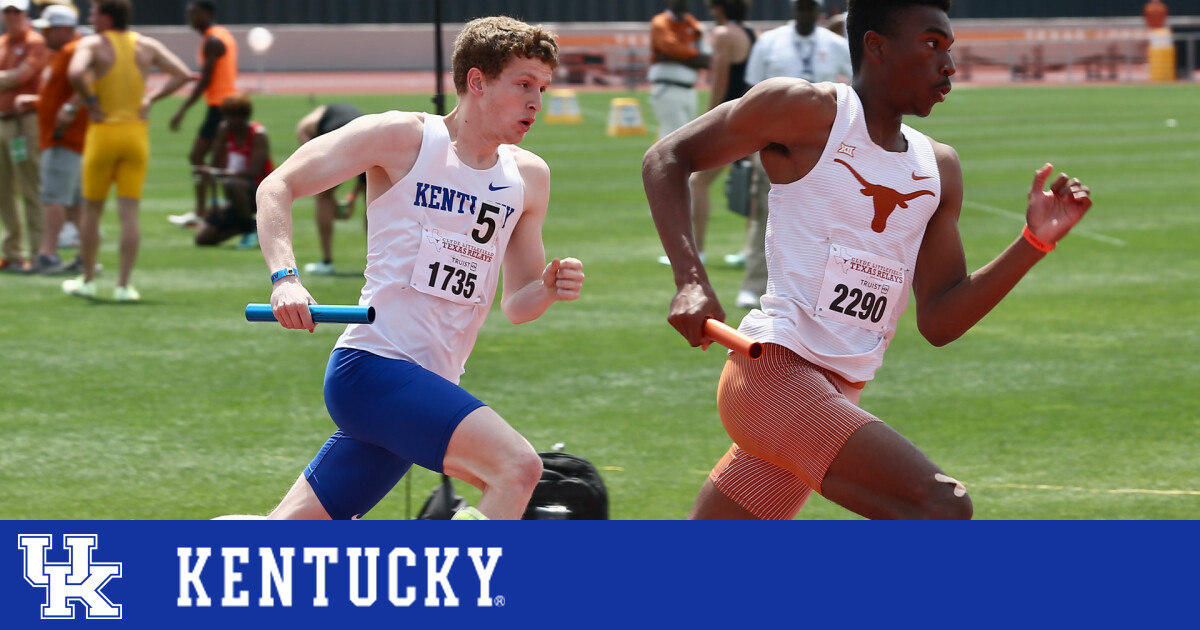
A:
944	498
524	471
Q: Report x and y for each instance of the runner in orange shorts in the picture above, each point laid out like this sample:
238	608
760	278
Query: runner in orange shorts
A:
863	212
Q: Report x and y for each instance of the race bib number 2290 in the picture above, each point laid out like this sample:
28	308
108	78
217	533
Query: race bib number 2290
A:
860	288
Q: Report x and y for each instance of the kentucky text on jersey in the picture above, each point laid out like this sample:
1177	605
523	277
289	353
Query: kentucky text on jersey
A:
444	198
276	576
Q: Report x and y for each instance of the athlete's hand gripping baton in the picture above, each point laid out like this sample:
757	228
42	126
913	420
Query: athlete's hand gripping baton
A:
729	337
321	313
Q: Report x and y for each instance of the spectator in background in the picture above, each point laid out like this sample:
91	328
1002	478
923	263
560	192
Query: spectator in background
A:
241	160
23	55
116	149
837	24
218	79
675	62
731	42
62	123
802	50
1155	13
319	122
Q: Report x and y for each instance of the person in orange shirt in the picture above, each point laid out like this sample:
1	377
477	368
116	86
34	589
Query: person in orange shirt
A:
23	54
675	38
61	128
217	80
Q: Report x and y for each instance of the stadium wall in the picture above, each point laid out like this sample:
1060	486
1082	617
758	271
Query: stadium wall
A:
251	12
620	49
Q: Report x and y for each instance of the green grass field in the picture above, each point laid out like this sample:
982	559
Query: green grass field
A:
1075	399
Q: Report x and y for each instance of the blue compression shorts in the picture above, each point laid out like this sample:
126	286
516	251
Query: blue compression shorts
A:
390	415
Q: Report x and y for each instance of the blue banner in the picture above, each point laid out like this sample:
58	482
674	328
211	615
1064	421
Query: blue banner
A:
606	574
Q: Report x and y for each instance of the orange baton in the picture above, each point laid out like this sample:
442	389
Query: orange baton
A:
729	337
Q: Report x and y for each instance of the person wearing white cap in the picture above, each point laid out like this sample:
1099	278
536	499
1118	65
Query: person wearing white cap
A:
23	54
61	129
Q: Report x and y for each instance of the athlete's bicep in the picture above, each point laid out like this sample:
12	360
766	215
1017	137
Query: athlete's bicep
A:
80	62
941	261
388	141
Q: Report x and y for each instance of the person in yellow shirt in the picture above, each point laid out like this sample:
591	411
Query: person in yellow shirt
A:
217	81
117	147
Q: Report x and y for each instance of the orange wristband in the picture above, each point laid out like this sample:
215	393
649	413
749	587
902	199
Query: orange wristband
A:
1038	244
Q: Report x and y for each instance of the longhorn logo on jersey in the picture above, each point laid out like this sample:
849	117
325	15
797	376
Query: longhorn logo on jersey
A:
886	199
79	580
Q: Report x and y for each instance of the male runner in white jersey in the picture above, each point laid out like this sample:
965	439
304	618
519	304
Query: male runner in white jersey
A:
863	209
448	200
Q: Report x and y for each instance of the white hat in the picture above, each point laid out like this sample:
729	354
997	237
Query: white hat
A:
20	5
56	15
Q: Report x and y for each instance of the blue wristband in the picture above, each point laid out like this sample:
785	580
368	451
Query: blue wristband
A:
283	273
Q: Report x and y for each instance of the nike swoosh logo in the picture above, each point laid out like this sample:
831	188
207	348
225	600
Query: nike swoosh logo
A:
920	177
494	188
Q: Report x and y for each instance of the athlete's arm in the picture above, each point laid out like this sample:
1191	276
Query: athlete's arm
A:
385	146
260	150
214	48
79	71
787	113
722	57
220	155
949	300
531	285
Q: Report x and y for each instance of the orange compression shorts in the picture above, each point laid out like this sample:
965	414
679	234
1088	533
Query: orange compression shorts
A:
788	419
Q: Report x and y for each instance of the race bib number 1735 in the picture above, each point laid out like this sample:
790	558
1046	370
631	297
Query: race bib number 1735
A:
453	267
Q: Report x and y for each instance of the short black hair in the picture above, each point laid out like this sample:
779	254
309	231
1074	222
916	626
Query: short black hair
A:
206	6
876	15
119	11
735	10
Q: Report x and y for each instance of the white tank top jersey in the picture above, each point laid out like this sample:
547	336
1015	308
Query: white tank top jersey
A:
435	241
842	244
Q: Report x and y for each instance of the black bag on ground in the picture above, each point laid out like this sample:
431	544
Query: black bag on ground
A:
442	503
737	186
570	489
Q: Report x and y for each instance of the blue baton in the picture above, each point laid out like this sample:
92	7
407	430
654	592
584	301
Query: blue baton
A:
321	313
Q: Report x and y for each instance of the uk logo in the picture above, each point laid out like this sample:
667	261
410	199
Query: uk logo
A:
77	581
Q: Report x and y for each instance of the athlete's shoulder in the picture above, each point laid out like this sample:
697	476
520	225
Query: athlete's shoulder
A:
535	173
528	161
947	156
394	123
791	92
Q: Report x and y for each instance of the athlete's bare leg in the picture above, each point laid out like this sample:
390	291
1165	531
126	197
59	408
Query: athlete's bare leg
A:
712	504
700	183
201	147
89	236
880	474
489	454
326	211
300	503
131	237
